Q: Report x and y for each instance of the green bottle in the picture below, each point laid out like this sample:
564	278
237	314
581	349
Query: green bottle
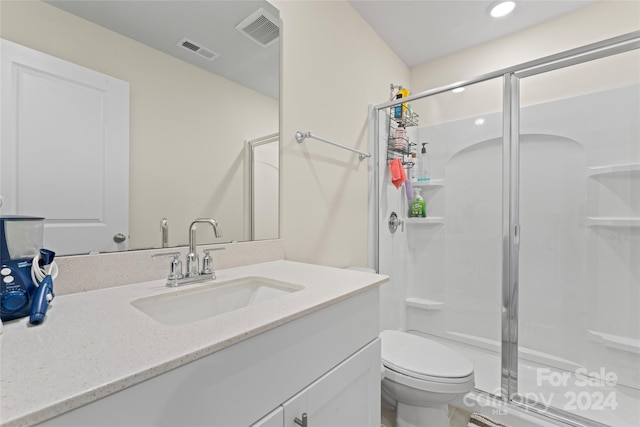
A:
417	209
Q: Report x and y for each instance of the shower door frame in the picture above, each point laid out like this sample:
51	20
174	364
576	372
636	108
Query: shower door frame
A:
510	200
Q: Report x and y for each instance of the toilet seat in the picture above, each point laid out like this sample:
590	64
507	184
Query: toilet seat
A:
411	360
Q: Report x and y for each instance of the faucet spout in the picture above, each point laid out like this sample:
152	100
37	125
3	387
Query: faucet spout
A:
192	231
192	256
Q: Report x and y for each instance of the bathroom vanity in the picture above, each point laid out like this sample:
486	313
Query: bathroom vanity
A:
99	360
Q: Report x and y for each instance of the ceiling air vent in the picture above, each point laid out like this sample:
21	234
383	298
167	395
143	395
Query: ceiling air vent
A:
261	27
198	49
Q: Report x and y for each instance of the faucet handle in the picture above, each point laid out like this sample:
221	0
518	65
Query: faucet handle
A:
207	261
175	271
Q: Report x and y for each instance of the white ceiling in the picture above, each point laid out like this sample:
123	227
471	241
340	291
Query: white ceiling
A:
419	31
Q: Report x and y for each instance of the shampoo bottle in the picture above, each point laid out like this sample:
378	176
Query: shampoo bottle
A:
397	110
404	93
417	207
423	164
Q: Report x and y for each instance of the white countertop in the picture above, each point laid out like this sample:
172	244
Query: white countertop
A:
95	343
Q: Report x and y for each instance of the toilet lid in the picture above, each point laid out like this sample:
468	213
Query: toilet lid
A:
420	357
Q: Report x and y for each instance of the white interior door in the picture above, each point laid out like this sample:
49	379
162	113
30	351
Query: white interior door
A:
64	152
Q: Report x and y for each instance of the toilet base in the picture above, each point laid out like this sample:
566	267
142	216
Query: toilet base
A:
436	415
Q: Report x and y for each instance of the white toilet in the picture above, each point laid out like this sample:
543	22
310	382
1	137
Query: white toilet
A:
421	377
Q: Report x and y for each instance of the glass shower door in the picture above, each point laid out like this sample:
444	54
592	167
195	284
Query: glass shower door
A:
579	208
453	256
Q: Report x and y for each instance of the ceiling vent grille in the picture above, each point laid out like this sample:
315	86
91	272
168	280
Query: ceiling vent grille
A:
261	27
198	49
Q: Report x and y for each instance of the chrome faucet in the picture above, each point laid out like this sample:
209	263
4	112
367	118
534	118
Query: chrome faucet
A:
193	274
193	268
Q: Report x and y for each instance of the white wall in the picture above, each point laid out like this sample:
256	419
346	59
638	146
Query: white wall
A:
333	66
186	149
603	20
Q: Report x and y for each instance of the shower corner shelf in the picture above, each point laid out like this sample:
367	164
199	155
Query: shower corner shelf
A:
613	170
424	304
627	344
430	220
598	221
430	183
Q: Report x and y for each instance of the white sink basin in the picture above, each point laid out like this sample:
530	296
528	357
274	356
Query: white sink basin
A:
204	301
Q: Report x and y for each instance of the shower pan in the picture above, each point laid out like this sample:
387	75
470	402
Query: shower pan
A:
527	262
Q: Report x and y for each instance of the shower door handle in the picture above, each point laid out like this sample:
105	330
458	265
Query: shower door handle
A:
516	236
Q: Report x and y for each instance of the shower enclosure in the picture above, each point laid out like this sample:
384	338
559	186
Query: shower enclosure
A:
529	259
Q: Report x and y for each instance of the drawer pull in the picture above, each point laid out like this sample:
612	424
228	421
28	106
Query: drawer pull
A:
301	422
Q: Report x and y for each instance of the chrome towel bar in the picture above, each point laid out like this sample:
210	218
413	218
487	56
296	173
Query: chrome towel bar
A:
301	136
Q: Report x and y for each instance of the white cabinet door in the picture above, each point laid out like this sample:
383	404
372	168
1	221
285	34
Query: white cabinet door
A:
64	152
274	419
348	395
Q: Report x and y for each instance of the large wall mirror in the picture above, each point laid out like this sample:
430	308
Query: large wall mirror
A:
203	93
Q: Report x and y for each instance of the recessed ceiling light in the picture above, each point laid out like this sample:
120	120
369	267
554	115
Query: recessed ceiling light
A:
457	90
502	9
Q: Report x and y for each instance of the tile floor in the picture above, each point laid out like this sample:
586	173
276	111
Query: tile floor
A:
457	417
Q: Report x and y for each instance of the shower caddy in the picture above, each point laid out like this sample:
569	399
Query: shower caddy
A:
402	148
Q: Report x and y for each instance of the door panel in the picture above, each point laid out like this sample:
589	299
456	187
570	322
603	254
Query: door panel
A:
71	123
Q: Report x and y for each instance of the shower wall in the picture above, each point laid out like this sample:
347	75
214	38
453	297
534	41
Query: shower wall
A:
580	237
